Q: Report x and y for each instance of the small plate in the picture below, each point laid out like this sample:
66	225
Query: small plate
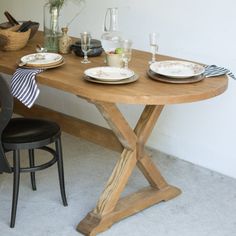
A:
177	69
41	59
165	79
124	81
109	73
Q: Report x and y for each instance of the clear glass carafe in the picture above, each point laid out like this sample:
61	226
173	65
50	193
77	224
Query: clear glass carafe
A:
51	27
111	38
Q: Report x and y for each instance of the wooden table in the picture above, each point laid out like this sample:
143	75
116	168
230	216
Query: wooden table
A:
154	95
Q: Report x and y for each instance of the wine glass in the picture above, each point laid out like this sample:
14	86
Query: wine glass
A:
153	44
126	52
85	45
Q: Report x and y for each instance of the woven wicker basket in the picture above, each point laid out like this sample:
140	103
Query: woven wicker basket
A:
34	27
13	40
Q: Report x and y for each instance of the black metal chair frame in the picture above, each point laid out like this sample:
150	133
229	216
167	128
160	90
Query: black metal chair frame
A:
6	111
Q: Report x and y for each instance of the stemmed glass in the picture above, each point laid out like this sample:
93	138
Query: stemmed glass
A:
154	47
126	52
85	45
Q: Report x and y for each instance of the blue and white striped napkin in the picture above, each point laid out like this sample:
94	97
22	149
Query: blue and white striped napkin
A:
213	70
24	87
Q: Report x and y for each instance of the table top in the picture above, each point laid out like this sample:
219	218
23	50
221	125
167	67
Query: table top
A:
69	78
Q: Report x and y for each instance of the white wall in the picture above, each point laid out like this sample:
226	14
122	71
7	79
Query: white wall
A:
204	132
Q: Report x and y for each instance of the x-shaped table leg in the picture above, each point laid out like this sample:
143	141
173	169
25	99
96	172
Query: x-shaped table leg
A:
109	208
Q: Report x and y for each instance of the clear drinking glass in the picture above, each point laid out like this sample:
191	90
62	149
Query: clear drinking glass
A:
126	52
85	45
154	47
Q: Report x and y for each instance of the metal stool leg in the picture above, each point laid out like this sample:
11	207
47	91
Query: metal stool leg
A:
16	182
32	164
61	170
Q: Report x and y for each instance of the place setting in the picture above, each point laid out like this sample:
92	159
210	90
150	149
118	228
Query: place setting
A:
116	71
178	71
44	60
110	75
174	71
184	72
23	84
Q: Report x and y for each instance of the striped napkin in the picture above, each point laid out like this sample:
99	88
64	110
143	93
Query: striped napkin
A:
213	70
24	87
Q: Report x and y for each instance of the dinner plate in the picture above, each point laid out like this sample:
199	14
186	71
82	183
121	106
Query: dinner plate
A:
177	69
41	59
47	66
60	63
124	81
108	73
165	79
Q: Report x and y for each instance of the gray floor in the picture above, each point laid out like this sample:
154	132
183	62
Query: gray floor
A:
206	207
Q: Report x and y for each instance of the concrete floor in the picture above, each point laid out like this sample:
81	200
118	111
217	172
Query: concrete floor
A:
207	206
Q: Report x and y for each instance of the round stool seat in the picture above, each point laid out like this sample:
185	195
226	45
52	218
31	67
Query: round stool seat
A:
27	130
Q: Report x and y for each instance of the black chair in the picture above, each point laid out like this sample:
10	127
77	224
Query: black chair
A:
26	133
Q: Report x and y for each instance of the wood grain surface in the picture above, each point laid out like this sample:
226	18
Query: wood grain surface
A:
144	91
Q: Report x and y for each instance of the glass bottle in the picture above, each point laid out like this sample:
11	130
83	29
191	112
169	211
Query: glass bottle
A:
64	41
111	38
51	27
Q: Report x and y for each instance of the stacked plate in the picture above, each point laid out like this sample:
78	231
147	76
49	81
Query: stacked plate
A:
178	72
110	75
41	60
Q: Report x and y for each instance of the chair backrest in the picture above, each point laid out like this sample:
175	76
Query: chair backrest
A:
6	110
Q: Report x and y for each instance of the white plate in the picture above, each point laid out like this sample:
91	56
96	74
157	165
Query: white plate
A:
40	59
177	69
109	73
124	81
47	66
166	79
